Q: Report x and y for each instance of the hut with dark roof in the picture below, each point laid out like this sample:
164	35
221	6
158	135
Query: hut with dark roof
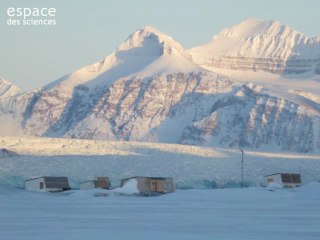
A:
284	179
47	184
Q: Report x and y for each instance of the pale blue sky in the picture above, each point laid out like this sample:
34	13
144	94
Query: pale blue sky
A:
87	31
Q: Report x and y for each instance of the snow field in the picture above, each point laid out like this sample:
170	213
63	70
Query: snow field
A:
252	213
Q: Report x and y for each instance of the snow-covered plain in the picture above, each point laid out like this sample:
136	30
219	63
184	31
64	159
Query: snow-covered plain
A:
190	166
235	214
251	213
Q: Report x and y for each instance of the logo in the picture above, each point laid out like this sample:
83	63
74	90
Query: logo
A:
31	16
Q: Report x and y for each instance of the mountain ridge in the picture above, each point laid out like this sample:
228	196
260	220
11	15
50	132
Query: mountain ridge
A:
260	45
152	89
257	32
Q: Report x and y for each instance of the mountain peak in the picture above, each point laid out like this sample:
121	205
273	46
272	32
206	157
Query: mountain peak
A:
4	81
8	89
151	39
255	27
153	30
255	38
147	51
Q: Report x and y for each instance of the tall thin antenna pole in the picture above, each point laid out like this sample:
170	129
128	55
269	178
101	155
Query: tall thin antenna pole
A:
242	166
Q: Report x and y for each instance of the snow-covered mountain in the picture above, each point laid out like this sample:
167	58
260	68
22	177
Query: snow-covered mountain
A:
252	116
152	89
121	91
8	89
260	45
9	125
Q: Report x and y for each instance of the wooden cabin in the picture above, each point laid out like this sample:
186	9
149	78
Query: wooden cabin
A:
147	185
287	180
47	184
100	182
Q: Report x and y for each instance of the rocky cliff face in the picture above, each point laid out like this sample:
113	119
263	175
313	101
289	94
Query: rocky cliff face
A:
132	108
194	108
250	118
272	65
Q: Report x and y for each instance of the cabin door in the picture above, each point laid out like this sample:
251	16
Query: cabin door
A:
154	186
159	186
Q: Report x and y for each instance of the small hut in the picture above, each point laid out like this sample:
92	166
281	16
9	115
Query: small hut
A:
47	184
287	180
100	182
147	185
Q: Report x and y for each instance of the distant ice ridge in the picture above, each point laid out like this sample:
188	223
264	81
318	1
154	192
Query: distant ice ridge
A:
189	166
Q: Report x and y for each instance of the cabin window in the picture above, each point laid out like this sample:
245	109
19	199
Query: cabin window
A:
296	178
291	178
269	180
41	185
286	178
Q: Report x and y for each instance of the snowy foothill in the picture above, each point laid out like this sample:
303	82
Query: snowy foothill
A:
242	214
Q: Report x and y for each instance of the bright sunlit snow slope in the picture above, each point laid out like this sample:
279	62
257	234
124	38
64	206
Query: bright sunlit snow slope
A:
147	50
260	45
261	39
